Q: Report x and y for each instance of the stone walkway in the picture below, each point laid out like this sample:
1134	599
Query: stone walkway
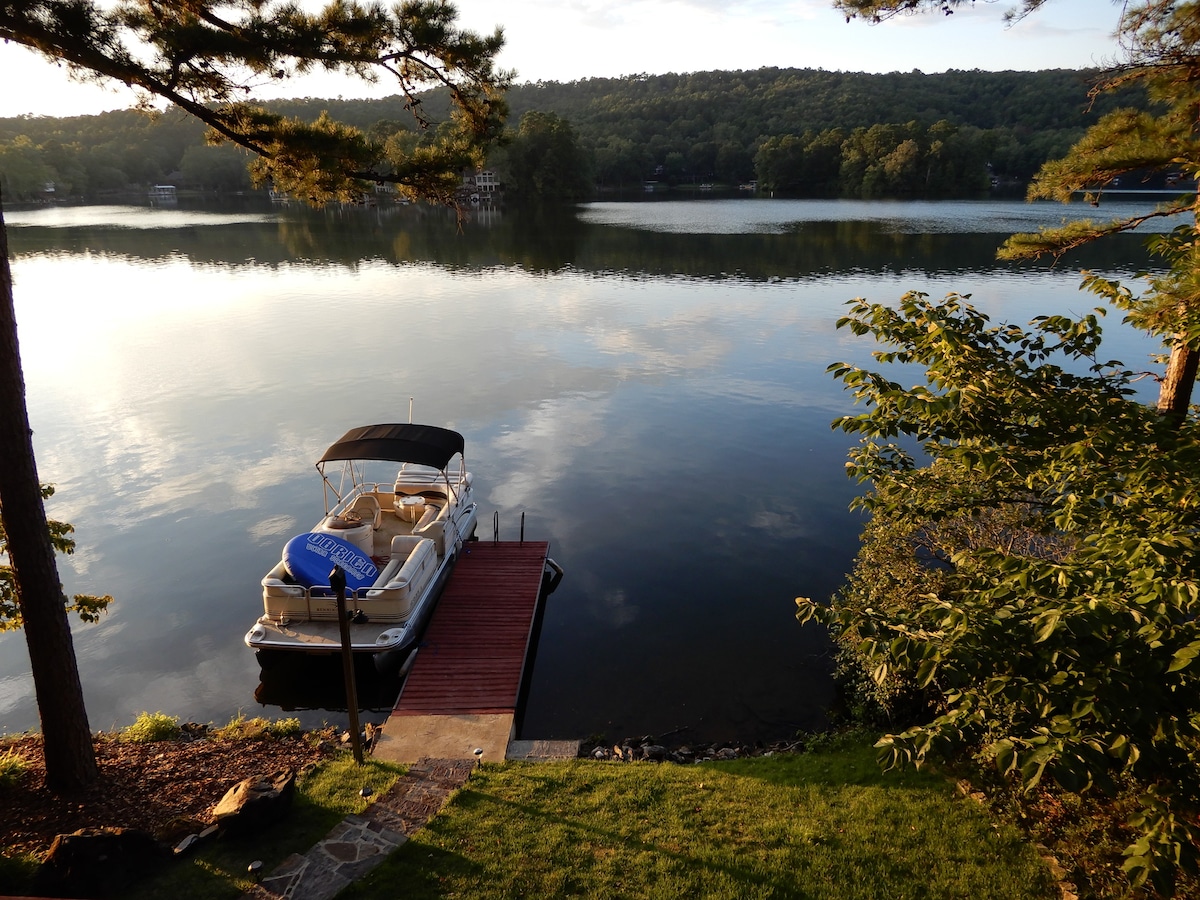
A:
362	842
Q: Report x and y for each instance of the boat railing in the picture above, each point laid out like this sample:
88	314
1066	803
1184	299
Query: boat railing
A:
281	594
386	491
383	492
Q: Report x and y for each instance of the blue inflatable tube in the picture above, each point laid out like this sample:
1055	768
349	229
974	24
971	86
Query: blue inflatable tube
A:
311	557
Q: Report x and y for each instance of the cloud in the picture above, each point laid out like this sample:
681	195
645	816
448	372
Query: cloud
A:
615	610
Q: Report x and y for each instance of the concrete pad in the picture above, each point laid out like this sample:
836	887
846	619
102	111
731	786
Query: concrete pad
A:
538	750
407	739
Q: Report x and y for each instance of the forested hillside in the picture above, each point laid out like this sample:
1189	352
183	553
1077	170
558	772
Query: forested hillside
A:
794	130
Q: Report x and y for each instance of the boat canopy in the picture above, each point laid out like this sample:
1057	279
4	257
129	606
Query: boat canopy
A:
424	445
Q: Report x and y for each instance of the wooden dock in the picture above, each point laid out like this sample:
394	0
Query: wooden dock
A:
461	692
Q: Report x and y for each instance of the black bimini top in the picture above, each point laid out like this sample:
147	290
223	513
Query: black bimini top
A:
425	445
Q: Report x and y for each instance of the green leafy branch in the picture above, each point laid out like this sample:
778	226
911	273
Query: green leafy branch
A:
87	606
1037	581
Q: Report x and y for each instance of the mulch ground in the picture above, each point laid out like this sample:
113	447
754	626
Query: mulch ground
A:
165	787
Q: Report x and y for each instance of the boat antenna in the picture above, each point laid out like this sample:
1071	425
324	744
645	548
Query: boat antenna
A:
410	400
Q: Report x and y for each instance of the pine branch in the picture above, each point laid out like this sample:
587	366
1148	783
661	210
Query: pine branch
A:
1057	241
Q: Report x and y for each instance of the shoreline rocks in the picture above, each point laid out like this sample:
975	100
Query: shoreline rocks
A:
648	748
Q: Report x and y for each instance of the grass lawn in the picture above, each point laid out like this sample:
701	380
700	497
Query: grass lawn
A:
817	825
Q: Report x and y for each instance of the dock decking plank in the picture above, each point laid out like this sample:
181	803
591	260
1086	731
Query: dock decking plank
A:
472	657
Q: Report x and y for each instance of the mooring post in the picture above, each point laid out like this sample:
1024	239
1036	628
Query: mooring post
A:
337	581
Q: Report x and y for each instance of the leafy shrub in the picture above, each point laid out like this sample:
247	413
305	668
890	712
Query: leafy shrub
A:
240	728
17	872
285	727
149	727
12	767
904	561
1054	622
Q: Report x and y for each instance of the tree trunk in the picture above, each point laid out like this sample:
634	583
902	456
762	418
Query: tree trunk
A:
67	740
1175	393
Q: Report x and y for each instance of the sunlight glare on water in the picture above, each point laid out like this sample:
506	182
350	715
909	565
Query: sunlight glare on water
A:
134	217
907	216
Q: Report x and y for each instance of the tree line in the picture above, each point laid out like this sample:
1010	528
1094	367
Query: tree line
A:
883	159
799	131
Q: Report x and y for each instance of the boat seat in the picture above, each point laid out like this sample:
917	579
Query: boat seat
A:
432	525
431	513
410	555
437	496
368	509
403	579
403	545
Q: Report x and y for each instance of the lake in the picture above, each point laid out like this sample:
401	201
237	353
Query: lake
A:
644	383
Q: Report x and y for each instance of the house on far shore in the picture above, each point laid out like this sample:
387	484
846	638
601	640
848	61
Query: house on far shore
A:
163	193
482	186
486	182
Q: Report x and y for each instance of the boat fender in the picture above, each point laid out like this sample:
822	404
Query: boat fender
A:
310	557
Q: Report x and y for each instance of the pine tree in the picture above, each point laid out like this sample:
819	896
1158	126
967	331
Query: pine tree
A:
204	57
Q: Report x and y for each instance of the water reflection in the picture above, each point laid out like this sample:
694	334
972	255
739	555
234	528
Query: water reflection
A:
785	240
895	216
318	683
655	402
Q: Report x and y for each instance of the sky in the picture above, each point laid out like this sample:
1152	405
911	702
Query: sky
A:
569	40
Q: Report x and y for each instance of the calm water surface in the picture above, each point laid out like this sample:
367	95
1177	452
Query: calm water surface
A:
645	382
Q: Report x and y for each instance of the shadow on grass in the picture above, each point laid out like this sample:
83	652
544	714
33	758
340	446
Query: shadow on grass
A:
622	839
219	870
819	825
844	763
